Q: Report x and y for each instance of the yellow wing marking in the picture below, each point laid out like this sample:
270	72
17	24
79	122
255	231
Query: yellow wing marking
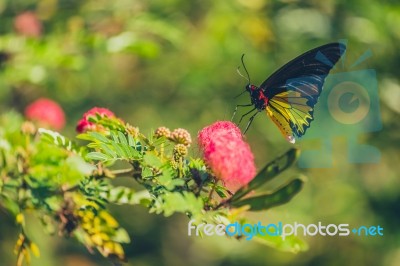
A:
290	112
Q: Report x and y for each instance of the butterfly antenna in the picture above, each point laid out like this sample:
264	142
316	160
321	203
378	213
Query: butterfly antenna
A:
245	69
240	74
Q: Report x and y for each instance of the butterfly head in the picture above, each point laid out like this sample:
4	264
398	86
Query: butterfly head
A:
252	90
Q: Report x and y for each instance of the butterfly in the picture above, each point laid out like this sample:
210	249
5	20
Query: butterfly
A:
289	95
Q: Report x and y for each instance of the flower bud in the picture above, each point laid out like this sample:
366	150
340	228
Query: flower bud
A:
180	151
181	136
28	128
162	132
85	125
133	131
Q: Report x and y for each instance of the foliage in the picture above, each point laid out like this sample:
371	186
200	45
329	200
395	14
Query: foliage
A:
72	184
174	63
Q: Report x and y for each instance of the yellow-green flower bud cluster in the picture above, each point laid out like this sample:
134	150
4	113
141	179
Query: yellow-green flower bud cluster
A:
99	230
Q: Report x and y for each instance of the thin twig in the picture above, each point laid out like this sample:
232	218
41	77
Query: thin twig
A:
123	171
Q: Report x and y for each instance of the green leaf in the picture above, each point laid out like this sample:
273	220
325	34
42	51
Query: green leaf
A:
221	191
98	137
136	151
122	138
291	243
97	156
133	154
119	151
152	160
114	137
185	202
267	201
107	150
85	136
120	195
167	179
124	195
270	171
10	204
126	150
56	138
130	152
169	183
79	164
131	141
146	172
115	148
142	197
121	236
159	141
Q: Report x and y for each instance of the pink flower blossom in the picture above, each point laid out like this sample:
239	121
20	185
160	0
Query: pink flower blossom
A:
227	154
28	24
46	113
218	128
84	124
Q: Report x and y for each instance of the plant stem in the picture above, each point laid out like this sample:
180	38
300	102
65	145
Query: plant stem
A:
123	171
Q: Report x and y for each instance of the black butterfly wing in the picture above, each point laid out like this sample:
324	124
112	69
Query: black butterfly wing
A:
293	90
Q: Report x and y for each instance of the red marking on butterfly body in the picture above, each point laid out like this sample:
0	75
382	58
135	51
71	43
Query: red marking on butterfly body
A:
263	97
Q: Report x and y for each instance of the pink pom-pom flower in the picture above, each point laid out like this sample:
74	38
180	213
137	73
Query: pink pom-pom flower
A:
218	128
84	124
46	113
28	24
227	154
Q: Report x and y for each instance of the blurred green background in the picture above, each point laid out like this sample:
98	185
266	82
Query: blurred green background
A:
173	63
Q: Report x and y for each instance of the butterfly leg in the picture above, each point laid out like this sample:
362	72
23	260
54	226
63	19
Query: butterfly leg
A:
250	121
239	105
246	114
